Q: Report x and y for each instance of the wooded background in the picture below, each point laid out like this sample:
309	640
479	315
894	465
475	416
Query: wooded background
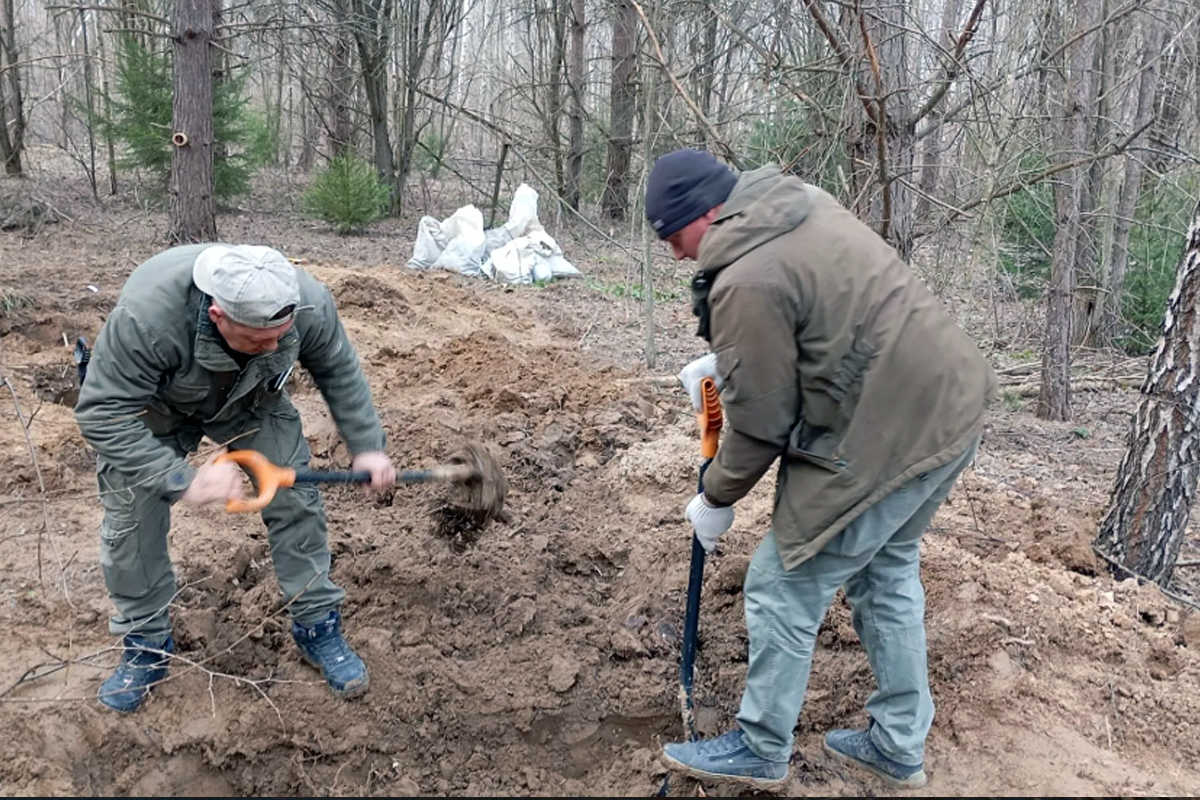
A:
1056	141
1050	147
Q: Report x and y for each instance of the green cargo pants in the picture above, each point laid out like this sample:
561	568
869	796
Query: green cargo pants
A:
133	536
877	560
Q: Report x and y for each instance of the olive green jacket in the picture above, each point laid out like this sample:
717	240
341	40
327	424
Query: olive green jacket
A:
158	364
836	359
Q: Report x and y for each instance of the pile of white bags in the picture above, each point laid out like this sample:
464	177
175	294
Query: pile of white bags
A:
519	251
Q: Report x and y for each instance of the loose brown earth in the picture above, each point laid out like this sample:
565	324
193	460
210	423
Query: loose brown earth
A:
540	658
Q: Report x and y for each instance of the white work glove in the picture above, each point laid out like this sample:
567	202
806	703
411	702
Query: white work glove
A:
691	375
376	462
214	482
708	522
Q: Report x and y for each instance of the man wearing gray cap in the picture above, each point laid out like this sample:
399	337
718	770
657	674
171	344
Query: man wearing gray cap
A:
840	367
201	342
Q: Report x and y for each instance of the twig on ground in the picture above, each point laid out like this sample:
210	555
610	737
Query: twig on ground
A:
42	670
1015	640
41	490
1167	592
71	495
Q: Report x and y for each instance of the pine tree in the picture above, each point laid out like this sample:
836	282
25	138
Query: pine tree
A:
140	115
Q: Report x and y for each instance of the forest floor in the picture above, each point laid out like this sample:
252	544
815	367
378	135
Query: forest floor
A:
542	659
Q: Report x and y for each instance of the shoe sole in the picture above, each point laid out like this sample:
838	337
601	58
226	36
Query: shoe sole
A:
914	781
116	710
345	694
716	777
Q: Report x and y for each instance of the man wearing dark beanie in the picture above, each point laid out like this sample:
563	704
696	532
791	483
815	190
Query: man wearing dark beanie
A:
683	187
836	362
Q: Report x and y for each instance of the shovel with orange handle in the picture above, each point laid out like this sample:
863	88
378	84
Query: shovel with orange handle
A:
710	419
270	478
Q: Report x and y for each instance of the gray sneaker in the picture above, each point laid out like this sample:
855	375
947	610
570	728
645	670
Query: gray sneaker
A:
857	749
727	759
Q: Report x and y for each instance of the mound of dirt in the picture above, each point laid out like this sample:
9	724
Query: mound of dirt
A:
542	659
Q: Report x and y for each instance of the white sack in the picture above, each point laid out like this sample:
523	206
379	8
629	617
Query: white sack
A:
526	259
429	245
465	249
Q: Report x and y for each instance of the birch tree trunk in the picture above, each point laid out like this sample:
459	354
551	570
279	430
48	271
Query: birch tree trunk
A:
193	212
1156	482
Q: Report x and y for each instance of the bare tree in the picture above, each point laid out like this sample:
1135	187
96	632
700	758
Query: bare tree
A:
341	81
576	78
1156	482
193	212
1153	30
1054	402
12	103
371	26
622	109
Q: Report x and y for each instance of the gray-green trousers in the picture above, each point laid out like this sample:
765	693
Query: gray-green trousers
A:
877	560
133	536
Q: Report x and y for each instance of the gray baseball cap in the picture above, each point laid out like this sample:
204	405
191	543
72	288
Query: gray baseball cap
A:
254	285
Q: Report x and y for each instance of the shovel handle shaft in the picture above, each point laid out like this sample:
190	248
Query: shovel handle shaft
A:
333	476
453	472
691	628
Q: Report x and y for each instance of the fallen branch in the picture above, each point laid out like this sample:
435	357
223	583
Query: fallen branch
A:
1088	384
1126	570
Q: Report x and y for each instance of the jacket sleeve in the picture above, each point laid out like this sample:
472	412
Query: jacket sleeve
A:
122	378
754	337
326	352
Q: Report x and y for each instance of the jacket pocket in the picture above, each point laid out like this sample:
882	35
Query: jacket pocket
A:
185	394
121	530
816	446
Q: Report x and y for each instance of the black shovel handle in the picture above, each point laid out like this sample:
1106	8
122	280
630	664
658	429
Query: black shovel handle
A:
691	626
451	472
332	476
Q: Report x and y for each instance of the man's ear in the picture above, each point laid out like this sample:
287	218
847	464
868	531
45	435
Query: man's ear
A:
215	313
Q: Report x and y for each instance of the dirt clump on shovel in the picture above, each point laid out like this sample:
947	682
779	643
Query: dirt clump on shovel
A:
468	506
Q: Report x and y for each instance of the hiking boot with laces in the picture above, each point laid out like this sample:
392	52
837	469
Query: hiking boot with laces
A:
143	664
727	759
321	644
857	749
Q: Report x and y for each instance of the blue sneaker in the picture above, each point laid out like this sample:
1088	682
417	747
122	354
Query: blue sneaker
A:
857	749
321	644
143	664
726	759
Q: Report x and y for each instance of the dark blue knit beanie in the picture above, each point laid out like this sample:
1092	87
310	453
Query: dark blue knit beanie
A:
683	186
